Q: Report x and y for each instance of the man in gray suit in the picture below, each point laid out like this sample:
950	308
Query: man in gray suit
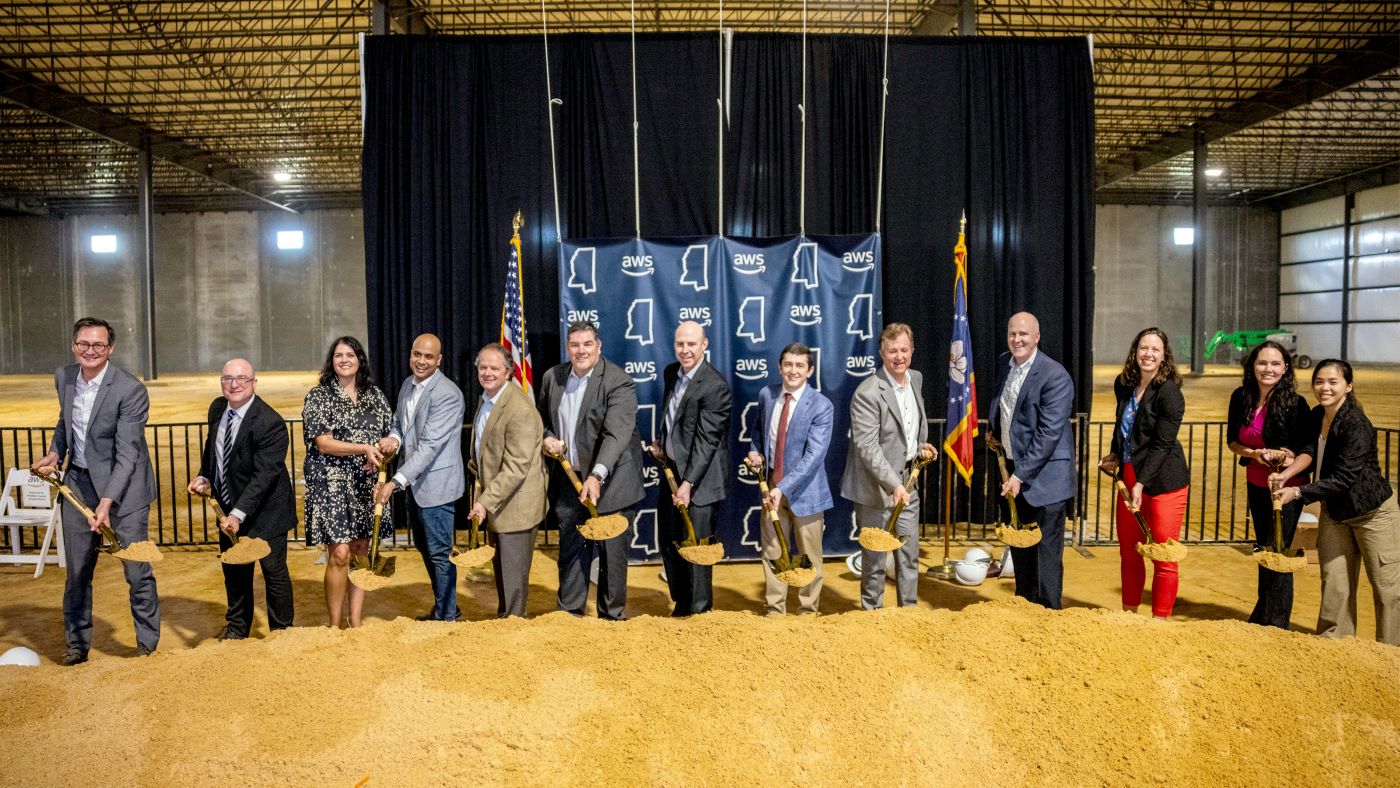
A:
888	430
589	408
427	428
101	432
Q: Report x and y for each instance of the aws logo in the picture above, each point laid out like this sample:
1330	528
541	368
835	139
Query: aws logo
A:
651	475
638	265
860	366
579	315
641	371
856	262
805	314
746	475
699	314
751	368
749	263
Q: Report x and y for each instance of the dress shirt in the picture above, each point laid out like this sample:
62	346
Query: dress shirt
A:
778	416
82	412
673	407
238	414
410	408
569	404
1009	393
484	413
908	413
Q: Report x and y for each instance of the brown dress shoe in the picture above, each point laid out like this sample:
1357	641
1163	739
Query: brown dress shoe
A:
73	657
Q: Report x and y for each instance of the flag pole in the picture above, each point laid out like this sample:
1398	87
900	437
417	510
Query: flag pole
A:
944	571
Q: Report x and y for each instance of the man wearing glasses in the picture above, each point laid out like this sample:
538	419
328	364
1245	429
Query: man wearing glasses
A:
101	433
244	466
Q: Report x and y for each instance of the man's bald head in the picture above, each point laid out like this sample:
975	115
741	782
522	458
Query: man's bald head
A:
1022	336
425	357
238	382
690	344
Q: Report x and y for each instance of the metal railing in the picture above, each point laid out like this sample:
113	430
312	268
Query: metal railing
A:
1216	509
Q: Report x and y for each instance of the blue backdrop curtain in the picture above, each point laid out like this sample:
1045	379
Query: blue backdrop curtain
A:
456	141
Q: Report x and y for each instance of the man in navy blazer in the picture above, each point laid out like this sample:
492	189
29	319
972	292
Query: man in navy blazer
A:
1031	406
791	434
427	432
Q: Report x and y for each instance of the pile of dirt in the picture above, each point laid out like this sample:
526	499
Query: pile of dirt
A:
1002	693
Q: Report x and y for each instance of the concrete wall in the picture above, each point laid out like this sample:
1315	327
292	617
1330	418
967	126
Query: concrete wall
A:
223	288
1142	278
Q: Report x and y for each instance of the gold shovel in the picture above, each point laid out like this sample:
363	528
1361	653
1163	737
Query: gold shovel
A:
1014	536
1280	559
705	552
242	551
478	551
596	527
1170	551
372	572
883	540
142	552
793	571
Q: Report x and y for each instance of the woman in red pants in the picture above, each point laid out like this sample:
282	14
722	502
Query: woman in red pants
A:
1145	448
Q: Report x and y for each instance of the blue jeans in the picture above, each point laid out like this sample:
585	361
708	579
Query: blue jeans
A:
432	532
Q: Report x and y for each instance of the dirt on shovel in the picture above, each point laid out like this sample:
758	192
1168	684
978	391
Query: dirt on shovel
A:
246	550
879	540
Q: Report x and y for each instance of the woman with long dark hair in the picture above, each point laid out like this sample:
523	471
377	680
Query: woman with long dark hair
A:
1360	520
1153	466
343	419
1268	429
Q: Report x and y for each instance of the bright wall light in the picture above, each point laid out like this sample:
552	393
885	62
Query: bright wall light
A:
1184	236
1214	172
281	177
104	244
290	239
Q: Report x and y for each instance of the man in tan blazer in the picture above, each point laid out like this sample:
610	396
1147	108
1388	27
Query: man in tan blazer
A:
507	437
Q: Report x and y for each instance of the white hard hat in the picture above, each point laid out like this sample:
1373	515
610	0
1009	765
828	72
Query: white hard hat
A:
19	655
977	554
970	573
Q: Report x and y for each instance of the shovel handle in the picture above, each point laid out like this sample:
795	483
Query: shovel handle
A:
218	511
919	463
72	497
568	467
684	510
763	489
381	478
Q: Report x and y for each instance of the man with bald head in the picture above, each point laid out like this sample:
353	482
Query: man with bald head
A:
244	467
694	442
1032	401
427	433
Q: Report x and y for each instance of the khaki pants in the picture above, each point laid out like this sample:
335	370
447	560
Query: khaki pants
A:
1373	537
804	535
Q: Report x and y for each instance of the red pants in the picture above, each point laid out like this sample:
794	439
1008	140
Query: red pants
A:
1164	514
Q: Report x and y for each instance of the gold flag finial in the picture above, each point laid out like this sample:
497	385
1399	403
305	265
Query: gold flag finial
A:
517	222
962	224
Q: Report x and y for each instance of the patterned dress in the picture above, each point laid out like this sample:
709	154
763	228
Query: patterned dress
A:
339	492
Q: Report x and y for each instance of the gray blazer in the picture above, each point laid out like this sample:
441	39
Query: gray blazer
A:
116	453
606	433
875	453
430	448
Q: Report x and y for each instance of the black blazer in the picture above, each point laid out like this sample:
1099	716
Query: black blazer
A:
1349	482
1297	433
1158	460
257	469
702	432
606	433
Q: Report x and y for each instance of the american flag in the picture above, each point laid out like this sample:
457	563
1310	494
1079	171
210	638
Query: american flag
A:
513	320
962	390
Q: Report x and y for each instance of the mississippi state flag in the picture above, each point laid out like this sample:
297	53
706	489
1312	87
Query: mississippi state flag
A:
513	321
962	390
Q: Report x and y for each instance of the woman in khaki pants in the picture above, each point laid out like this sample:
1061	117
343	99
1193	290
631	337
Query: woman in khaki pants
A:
1360	518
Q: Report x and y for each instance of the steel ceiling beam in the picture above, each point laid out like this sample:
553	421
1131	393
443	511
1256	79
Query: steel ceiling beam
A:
28	90
1377	56
408	17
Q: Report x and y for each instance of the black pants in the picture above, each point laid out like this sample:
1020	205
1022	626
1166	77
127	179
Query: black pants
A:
691	585
1040	569
576	554
1275	605
277	583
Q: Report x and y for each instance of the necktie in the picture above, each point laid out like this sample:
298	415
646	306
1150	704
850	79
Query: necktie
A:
780	443
671	412
221	484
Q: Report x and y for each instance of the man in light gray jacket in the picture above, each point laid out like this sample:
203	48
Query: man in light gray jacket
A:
101	433
428	429
889	429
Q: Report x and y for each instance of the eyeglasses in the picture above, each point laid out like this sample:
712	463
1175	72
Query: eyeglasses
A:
241	380
86	346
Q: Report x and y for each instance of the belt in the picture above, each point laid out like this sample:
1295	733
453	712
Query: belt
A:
73	467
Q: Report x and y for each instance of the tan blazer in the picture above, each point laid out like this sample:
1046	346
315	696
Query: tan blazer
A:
510	464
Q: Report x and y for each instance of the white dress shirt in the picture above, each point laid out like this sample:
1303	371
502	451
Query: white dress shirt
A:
569	403
673	408
908	413
483	413
410	408
82	412
1007	405
778	416
238	414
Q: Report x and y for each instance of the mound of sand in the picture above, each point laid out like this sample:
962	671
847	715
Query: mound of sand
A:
1001	693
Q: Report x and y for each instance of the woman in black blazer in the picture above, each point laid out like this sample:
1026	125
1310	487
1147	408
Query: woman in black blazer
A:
1269	428
1359	519
1145	448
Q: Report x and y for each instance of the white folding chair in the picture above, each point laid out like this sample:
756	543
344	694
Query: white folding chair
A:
28	502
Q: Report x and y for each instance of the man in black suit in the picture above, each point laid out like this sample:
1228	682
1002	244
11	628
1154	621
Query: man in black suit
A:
244	466
589	409
695	440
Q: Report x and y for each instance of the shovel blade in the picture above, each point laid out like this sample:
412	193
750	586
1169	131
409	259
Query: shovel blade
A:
385	566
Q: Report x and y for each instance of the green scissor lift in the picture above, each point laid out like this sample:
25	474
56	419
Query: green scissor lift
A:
1244	340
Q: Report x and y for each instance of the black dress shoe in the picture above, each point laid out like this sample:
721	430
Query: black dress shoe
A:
229	633
428	616
142	651
73	657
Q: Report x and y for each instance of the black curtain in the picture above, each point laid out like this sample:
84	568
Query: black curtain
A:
456	141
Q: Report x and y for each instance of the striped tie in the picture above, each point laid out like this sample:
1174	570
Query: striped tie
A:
221	484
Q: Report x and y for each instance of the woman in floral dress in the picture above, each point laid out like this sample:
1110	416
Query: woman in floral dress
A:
342	420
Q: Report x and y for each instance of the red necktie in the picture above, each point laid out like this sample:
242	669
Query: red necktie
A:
780	444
